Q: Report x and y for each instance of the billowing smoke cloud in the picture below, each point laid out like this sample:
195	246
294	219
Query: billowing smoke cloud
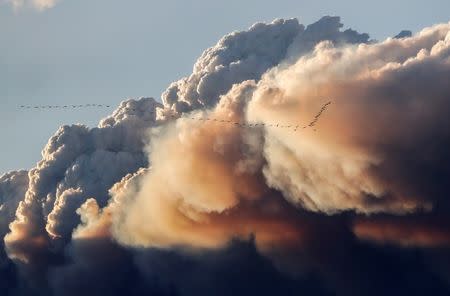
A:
246	55
367	155
381	145
170	198
78	163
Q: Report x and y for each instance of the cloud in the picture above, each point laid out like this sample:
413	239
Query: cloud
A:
403	34
13	186
367	156
246	55
36	4
422	232
368	152
154	202
77	163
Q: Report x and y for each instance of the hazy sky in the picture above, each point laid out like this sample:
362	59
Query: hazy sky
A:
102	51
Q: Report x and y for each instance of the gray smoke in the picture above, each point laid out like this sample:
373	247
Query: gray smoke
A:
246	55
78	163
134	205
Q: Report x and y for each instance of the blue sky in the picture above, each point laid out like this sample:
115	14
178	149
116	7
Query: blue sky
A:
102	51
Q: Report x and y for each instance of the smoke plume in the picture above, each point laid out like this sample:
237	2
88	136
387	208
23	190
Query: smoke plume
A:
294	159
